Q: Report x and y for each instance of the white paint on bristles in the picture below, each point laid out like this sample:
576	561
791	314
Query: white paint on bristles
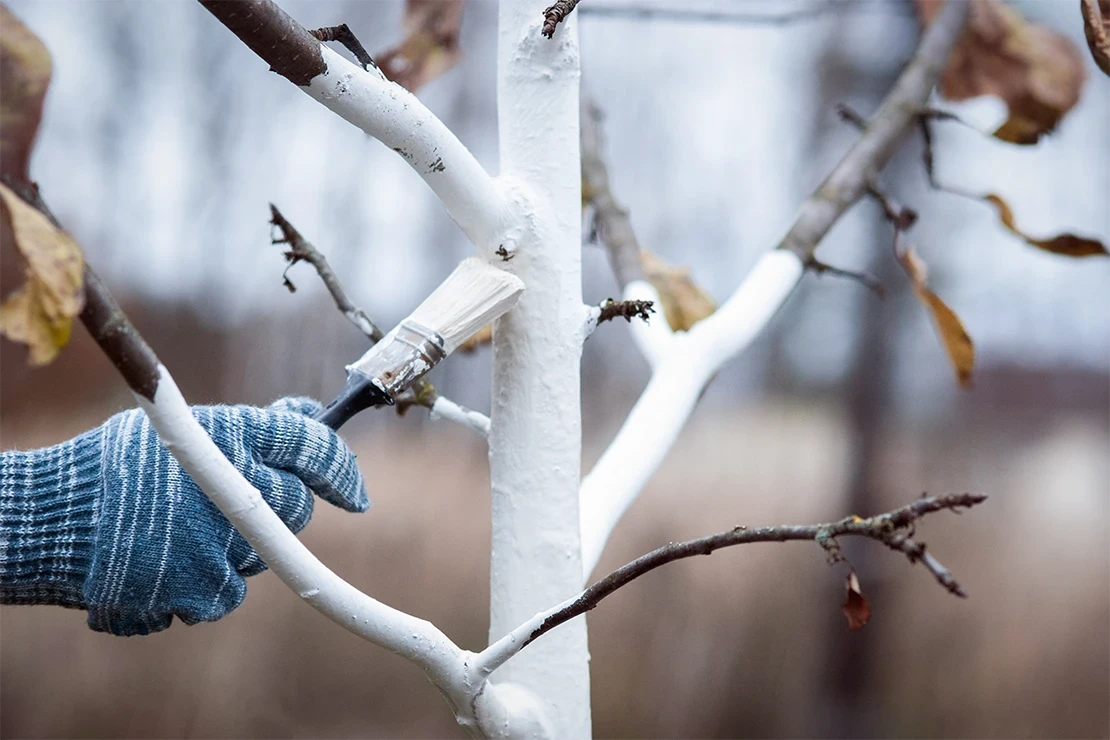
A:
471	297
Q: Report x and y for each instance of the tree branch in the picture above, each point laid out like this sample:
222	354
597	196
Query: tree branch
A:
894	529
555	14
379	107
611	221
302	249
344	35
423	393
614	227
626	310
690	360
446	665
642	12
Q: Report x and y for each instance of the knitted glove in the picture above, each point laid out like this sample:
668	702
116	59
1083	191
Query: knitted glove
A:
109	522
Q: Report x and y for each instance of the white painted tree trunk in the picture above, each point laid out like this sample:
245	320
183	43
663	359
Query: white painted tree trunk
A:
533	212
535	437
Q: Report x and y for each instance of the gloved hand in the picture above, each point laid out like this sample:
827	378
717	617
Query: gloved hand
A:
109	522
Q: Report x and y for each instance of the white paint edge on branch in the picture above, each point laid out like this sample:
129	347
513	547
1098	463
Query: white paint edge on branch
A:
394	116
683	365
444	408
420	641
652	337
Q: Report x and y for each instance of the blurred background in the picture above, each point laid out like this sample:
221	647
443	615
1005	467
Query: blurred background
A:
164	139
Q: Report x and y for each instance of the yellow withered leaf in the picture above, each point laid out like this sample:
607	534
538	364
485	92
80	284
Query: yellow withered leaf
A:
684	302
40	313
957	342
1069	245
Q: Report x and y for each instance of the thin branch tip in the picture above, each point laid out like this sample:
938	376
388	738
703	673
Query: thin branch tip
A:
556	14
894	529
344	35
627	310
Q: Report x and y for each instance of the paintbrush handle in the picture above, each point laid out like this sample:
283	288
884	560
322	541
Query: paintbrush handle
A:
358	394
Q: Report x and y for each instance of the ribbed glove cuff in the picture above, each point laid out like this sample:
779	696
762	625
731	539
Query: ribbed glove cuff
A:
48	510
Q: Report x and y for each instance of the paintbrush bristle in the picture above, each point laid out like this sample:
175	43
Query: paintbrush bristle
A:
472	296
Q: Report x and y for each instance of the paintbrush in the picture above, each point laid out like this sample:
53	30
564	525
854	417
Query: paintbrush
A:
472	296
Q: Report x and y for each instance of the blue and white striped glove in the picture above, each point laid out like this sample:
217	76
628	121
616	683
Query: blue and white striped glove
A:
109	522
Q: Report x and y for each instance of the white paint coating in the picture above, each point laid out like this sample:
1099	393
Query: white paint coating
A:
683	364
444	408
448	667
395	117
535	435
653	336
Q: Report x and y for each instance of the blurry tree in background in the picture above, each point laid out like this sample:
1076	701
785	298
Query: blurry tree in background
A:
851	416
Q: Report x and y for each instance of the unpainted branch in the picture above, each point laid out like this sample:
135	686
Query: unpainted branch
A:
654	423
626	310
556	14
611	221
894	529
302	249
344	35
644	12
422	393
852	176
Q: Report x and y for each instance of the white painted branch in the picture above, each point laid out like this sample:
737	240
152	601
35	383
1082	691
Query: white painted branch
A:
399	120
494	656
653	336
444	408
447	665
683	367
535	436
652	427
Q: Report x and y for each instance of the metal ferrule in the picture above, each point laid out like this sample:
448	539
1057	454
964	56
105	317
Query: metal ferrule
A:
401	358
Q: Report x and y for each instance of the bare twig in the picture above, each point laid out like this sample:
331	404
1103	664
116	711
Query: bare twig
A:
853	175
269	32
653	424
642	12
422	393
554	15
611	221
893	529
344	35
627	310
301	249
868	281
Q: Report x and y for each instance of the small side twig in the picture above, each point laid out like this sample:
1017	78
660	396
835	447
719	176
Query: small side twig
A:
555	14
628	310
696	15
344	35
868	281
611	222
895	529
301	249
422	393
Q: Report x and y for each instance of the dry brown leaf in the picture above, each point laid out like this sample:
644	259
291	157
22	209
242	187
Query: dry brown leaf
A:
684	303
1096	26
40	313
431	46
957	343
855	606
1037	72
1066	244
24	75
